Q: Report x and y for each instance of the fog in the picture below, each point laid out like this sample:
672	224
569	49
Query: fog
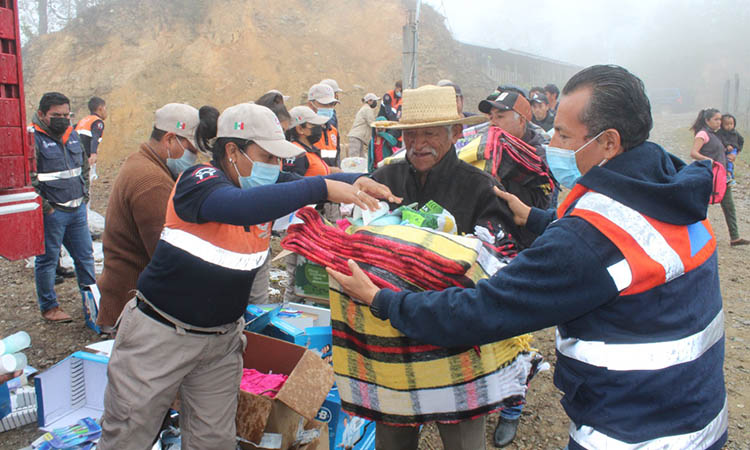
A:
692	45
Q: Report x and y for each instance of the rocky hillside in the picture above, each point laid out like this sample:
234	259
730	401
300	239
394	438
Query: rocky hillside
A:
140	54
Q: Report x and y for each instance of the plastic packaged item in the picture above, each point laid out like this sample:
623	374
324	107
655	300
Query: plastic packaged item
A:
15	342
12	362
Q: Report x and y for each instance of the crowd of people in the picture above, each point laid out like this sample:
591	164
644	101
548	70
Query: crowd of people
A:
625	267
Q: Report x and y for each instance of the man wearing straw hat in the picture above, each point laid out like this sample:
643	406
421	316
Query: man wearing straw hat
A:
431	170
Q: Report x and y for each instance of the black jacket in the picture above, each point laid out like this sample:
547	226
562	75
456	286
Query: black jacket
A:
547	122
462	189
732	138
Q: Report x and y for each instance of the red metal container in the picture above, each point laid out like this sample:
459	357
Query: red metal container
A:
21	224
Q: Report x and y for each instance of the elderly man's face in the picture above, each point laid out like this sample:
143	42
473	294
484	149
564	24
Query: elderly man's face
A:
425	147
510	121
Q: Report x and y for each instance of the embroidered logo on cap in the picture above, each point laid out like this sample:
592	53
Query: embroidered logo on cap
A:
181	125
239	125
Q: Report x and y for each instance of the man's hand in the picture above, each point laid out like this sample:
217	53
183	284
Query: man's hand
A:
731	157
520	209
377	190
92	159
358	286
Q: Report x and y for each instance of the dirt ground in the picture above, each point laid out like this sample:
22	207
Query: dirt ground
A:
543	424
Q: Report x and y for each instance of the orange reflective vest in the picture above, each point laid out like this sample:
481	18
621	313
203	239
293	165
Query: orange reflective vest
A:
328	143
655	252
229	246
84	125
316	165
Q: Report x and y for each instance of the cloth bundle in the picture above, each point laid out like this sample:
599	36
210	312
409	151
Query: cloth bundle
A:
259	383
507	158
383	375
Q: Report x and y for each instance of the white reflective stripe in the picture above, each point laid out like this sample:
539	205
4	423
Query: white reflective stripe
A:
589	438
18	208
633	223
621	274
61	175
647	356
84	132
76	202
328	153
10	198
211	253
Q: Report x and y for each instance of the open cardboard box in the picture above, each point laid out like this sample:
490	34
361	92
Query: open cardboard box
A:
310	380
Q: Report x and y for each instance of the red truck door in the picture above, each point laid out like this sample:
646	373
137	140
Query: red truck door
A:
21	225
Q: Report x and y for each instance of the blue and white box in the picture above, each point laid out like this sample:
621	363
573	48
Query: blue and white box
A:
71	390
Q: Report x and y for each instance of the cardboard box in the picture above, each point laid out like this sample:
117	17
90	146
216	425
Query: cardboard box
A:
71	390
310	280
341	425
280	324
310	380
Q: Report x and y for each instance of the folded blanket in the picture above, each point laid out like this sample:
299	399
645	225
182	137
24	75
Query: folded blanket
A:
385	376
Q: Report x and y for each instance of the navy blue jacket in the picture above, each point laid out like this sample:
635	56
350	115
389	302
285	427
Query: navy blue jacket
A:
563	280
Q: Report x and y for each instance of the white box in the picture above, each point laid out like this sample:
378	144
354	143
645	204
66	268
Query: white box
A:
71	390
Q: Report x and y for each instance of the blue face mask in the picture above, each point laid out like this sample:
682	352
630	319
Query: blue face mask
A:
328	112
177	166
563	165
261	175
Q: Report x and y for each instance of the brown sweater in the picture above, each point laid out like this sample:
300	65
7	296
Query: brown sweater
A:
135	217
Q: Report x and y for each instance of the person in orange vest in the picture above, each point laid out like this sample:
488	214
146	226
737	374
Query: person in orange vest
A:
182	331
305	130
321	98
91	128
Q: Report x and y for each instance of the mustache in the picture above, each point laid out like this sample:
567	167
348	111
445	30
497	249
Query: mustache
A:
433	152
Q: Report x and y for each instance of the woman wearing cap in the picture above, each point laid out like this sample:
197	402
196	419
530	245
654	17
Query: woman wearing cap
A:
182	333
306	128
361	132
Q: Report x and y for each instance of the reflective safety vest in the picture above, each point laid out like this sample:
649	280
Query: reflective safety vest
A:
59	167
395	102
645	370
328	144
220	244
316	165
84	125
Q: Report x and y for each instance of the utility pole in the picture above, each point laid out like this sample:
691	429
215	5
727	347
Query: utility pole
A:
411	44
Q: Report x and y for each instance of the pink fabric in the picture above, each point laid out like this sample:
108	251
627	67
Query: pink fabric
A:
259	383
703	135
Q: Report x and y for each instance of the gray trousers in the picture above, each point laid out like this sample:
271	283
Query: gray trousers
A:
261	283
466	435
357	148
730	214
152	362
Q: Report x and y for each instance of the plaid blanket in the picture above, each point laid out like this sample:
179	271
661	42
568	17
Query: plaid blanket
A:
383	375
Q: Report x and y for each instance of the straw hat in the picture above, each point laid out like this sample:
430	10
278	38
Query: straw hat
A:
429	106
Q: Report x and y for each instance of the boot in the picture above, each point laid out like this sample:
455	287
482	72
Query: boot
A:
505	432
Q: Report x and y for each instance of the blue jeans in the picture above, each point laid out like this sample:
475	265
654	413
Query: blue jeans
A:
511	412
70	229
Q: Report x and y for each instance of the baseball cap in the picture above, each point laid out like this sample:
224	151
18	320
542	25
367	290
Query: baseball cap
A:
178	118
370	97
455	87
322	93
258	124
303	114
334	85
539	98
507	101
277	92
